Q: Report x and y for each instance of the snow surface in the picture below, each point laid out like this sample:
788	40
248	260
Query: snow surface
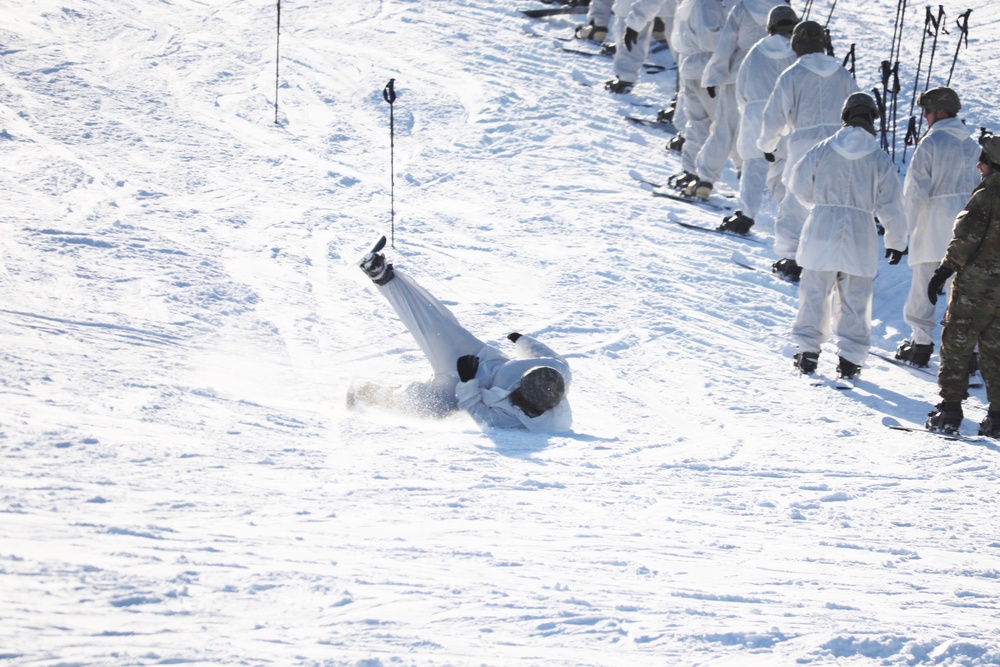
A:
181	482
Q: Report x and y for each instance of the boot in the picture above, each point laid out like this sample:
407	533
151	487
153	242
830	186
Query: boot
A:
946	417
990	426
697	188
375	266
847	370
666	115
681	180
915	354
737	223
973	364
596	33
676	144
618	85
787	268
659	30
806	362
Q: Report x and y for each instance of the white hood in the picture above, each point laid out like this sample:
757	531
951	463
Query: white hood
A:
820	63
853	143
775	47
952	126
759	9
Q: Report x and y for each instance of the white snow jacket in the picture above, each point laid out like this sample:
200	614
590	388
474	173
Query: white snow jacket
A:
486	396
940	178
843	180
805	105
644	11
755	80
695	36
745	25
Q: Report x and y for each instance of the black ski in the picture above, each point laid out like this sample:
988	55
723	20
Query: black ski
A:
925	371
663	125
895	425
553	11
697	201
649	68
712	230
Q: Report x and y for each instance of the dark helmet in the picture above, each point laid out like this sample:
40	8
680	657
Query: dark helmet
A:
541	389
781	20
860	110
991	151
940	99
809	37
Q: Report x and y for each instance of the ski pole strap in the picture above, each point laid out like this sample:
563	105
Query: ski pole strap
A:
911	132
389	92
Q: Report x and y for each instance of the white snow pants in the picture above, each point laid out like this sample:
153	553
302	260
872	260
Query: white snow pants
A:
788	225
721	136
627	64
918	311
832	300
441	338
753	183
599	12
699	109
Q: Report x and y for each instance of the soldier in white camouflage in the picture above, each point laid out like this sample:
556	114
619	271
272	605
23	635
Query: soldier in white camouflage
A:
973	314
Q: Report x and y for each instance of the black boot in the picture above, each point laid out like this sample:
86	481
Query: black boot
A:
848	370
915	354
737	223
375	266
946	417
618	85
806	362
990	427
788	269
676	144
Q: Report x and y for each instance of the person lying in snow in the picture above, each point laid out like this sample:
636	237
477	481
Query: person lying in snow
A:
527	391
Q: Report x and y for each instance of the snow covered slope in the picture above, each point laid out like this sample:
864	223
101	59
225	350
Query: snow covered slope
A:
181	318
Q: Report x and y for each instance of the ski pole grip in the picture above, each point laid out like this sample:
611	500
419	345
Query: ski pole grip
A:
389	92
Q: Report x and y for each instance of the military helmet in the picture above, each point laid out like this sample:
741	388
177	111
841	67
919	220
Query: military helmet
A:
940	99
809	37
541	389
860	110
991	151
781	20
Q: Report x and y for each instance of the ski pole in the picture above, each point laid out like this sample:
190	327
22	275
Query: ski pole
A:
963	26
806	10
830	15
850	58
277	55
389	94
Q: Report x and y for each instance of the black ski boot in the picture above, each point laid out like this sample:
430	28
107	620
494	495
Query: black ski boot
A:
990	426
973	364
737	223
848	370
697	188
596	33
681	180
915	354
788	269
666	115
375	266
676	144
618	85
806	362
946	417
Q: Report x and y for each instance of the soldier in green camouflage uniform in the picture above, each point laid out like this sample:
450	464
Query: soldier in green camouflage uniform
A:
973	314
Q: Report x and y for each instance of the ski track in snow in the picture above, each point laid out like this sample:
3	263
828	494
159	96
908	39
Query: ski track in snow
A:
181	482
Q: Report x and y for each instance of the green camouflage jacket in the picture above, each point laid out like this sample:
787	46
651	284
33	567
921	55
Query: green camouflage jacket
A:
974	251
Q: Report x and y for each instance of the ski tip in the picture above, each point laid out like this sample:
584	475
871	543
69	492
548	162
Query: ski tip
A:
378	244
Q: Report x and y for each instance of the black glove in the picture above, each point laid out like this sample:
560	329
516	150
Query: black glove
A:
513	337
711	91
894	255
941	274
467	367
769	157
631	37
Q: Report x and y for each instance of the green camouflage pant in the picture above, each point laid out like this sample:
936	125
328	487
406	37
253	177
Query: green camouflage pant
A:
969	321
